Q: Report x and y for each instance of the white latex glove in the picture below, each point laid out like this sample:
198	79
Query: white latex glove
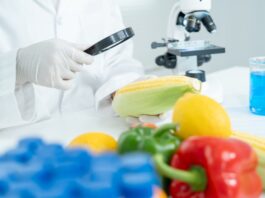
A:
51	63
146	118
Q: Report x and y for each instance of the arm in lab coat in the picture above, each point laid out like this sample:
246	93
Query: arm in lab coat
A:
120	66
13	103
18	104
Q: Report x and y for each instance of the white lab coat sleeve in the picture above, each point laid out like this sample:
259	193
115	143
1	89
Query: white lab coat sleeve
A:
17	104
9	115
120	67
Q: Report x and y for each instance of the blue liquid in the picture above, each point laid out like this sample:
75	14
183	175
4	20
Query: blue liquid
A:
257	93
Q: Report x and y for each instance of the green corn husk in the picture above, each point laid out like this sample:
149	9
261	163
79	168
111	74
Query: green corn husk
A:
153	97
261	166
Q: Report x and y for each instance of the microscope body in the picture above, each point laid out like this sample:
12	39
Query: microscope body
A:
184	56
186	17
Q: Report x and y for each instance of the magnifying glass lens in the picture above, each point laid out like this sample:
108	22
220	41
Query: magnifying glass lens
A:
110	41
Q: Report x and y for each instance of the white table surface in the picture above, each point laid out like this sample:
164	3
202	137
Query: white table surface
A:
63	129
235	82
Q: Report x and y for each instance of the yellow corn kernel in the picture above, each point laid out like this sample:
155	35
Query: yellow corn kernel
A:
159	82
255	142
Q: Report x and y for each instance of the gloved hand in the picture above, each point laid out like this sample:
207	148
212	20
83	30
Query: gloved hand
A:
146	119
51	63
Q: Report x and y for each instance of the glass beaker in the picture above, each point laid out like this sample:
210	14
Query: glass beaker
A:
257	85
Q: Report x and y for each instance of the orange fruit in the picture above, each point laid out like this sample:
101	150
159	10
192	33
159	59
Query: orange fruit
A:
148	125
199	115
96	142
159	193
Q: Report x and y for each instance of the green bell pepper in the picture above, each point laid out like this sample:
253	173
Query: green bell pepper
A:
162	141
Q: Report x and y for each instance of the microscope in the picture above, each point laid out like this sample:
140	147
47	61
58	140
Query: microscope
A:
184	56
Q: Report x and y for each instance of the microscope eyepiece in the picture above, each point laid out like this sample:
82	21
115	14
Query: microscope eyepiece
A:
209	23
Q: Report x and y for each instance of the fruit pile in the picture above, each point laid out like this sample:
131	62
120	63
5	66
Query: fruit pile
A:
198	154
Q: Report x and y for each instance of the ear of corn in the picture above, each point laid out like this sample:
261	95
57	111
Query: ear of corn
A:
154	96
258	145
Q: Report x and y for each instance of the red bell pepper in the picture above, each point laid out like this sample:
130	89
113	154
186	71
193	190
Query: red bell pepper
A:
207	167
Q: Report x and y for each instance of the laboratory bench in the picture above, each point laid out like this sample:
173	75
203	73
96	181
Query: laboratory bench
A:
235	83
62	129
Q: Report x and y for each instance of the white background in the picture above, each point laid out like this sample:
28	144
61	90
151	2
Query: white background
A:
240	23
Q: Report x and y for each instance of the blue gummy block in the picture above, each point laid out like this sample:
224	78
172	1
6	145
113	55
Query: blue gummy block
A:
74	189
19	155
137	162
50	152
103	190
140	163
65	189
4	187
22	190
107	162
35	169
74	163
32	144
137	185
25	193
139	176
46	176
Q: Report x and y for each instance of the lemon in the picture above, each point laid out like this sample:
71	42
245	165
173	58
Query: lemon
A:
199	115
96	142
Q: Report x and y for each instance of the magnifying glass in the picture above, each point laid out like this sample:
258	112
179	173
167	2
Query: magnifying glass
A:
110	41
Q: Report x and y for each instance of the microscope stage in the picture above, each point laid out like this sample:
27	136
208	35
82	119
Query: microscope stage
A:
194	48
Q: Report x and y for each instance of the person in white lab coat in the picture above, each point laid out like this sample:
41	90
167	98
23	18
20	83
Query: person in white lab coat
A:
41	54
